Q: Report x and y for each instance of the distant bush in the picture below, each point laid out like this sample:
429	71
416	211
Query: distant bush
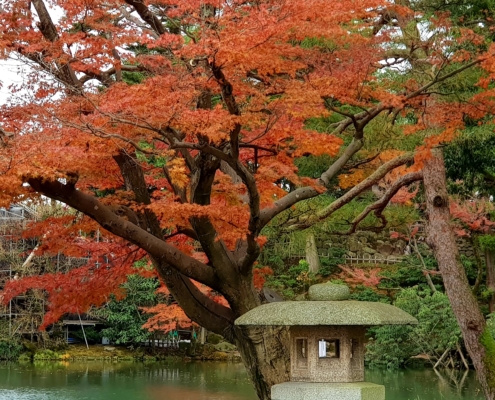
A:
490	323
296	279
46	355
24	358
365	293
392	346
92	335
330	264
10	349
124	318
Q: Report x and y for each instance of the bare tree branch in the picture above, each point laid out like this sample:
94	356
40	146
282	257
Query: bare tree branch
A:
253	146
352	149
147	16
49	31
110	221
426	271
383	170
230	102
356	164
442	78
308	192
138	22
378	206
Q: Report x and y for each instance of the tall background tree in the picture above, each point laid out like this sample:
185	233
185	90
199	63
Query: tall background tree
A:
176	126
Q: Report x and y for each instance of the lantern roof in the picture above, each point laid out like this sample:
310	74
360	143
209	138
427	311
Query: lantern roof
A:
328	305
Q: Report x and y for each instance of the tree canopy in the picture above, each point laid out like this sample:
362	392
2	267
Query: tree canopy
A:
177	127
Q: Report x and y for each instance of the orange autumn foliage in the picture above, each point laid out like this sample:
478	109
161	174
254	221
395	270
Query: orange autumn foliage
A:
350	180
260	275
167	317
471	216
173	128
361	276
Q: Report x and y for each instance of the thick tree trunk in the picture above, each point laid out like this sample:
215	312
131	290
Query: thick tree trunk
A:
490	276
312	254
265	353
479	343
263	350
479	263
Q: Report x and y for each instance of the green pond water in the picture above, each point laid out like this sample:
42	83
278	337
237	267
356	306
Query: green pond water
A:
195	381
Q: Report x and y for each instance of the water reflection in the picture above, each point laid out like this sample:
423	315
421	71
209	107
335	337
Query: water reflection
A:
427	384
195	381
124	381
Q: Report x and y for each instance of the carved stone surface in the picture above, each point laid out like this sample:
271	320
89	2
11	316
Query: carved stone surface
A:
328	291
327	337
335	313
348	366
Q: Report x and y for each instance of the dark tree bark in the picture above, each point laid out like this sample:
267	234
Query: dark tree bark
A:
265	353
479	343
490	276
312	257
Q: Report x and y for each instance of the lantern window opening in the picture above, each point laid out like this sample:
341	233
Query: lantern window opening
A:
354	347
329	348
302	352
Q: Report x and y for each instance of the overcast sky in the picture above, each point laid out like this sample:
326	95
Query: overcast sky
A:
11	71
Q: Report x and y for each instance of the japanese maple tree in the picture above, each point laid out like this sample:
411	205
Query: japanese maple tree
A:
174	126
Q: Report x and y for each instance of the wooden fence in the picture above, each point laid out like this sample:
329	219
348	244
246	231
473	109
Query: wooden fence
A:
373	259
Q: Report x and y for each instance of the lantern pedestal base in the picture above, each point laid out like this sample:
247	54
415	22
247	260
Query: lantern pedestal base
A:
328	391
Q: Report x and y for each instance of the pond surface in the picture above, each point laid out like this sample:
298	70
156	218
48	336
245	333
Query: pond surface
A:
194	381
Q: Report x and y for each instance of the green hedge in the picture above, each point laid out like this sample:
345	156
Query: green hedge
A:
10	350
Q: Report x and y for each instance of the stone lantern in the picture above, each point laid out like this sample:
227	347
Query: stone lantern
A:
327	336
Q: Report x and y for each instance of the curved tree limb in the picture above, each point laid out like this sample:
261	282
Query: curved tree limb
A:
360	120
353	148
196	305
147	16
354	192
308	192
442	78
378	206
286	202
49	31
172	267
102	214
